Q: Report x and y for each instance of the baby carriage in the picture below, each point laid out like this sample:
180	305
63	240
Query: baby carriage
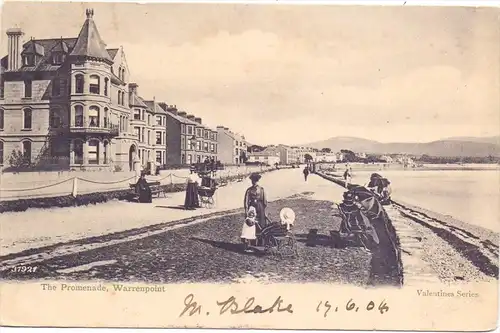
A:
206	191
277	238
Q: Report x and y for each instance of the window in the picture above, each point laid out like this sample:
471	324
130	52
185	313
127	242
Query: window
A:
190	130
149	137
1	152
198	132
123	98
94	86
236	151
183	142
198	159
54	118
57	58
78	116
158	120
27	119
27	89
94	116
183	128
105	152
78	150
158	157
158	138
79	83
56	87
2	115
119	98
106	118
198	145
143	115
27	151
183	159
189	144
142	135
205	146
149	119
106	81
2	87
212	148
190	159
93	152
29	60
137	131
206	134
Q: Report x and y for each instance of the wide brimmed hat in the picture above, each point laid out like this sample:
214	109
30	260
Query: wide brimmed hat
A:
143	173
255	176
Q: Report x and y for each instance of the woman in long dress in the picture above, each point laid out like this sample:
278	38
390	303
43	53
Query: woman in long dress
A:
192	201
142	188
255	197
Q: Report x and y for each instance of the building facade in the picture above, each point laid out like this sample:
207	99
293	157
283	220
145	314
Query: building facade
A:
232	146
188	140
269	156
328	157
288	155
63	102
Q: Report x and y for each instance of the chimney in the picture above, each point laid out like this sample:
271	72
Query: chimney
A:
190	117
173	109
14	48
220	127
182	114
198	120
132	88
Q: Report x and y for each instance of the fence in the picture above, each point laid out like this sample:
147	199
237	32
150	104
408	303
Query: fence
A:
40	185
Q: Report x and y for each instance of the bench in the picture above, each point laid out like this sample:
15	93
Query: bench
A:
155	189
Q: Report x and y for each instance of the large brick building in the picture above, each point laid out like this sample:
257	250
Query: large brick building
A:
67	102
188	140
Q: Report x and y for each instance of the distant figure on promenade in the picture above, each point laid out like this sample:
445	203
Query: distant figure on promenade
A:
256	197
192	168
192	201
143	190
347	176
306	173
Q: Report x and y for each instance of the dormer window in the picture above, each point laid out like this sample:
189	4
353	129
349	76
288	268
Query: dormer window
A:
29	60
58	58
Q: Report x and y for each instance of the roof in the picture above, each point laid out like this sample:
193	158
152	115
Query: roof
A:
32	47
89	42
187	121
135	100
112	53
155	107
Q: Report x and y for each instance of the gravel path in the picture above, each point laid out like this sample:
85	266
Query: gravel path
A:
211	252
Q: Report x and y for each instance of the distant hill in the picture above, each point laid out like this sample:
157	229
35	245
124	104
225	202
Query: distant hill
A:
476	147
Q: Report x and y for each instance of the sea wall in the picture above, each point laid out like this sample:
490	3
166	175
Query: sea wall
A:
389	251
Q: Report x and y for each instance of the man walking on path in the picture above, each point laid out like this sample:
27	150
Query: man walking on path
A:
347	176
306	173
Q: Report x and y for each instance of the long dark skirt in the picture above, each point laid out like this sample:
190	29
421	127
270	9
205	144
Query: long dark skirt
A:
191	200
145	196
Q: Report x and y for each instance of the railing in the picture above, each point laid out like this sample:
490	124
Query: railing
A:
88	126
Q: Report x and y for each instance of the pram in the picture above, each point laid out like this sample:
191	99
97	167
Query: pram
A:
276	239
206	191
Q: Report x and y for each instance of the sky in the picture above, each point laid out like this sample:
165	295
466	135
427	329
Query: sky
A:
299	74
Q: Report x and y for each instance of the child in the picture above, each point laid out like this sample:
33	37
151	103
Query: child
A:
248	230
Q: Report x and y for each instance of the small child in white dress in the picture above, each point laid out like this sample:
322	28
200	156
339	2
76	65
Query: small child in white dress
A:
248	230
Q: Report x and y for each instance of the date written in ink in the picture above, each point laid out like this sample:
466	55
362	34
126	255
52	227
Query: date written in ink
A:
24	269
326	306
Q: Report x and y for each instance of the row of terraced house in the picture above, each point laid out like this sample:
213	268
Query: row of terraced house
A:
68	103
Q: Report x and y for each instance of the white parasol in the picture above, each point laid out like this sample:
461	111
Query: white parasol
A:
287	216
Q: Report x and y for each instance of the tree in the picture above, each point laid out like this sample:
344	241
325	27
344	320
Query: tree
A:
308	158
326	150
18	160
